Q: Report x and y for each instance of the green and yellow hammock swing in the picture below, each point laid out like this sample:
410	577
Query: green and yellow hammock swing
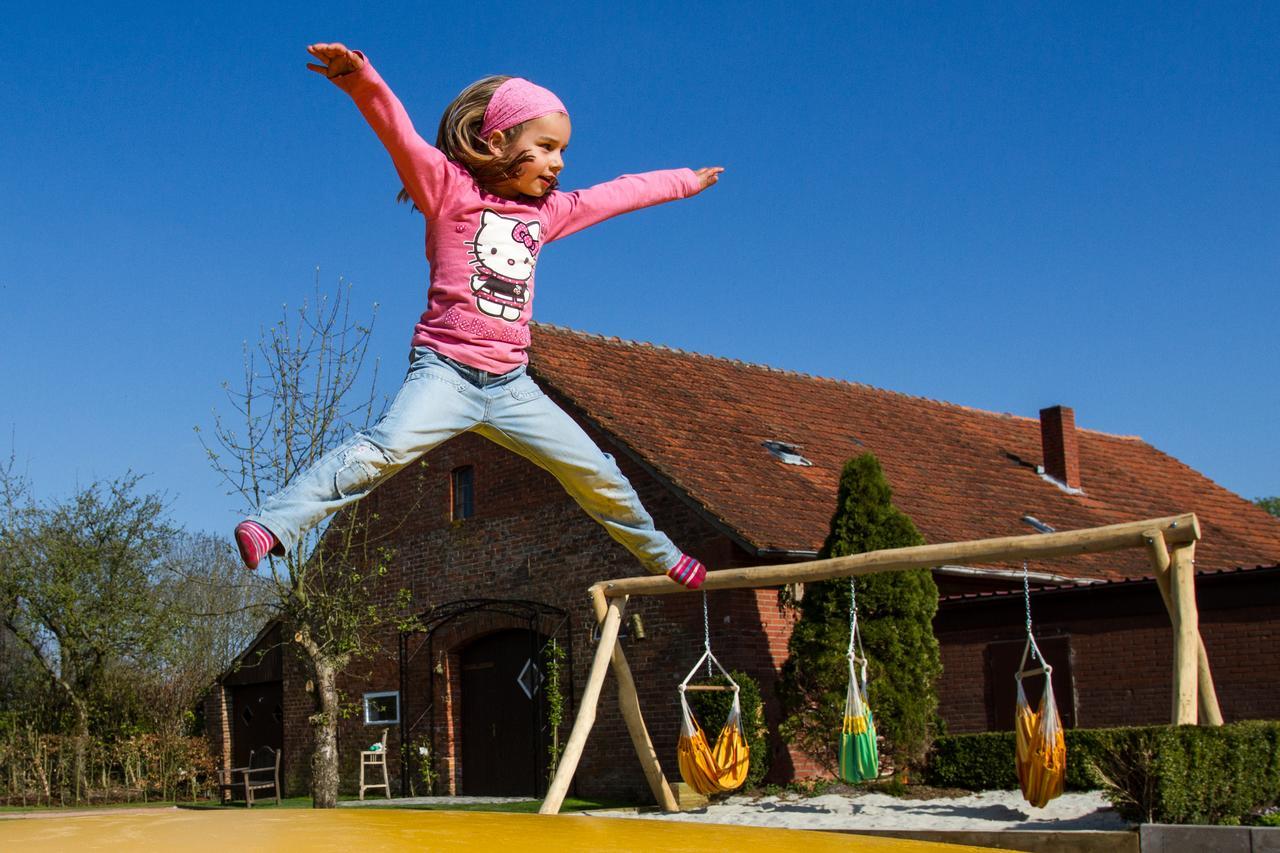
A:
705	768
859	755
1041	749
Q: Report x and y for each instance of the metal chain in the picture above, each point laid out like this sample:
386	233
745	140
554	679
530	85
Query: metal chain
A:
1026	600
853	613
706	632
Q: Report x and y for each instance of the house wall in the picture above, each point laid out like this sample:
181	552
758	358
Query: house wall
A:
217	723
528	540
1121	649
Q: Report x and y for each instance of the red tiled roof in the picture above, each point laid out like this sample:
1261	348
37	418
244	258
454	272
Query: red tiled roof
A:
960	473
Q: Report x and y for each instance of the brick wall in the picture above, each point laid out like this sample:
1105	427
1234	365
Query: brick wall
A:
1121	649
299	705
217	722
527	540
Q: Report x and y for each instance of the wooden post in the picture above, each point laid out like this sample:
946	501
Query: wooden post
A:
1186	631
1210	711
586	716
629	703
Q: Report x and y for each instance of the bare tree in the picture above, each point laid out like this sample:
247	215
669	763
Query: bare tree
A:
305	390
215	610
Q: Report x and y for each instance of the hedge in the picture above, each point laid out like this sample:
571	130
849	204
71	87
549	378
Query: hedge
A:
39	769
1153	774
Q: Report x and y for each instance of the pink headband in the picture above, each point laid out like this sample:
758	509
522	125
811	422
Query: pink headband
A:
517	100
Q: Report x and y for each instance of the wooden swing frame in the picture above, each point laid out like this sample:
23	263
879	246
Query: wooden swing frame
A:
1170	543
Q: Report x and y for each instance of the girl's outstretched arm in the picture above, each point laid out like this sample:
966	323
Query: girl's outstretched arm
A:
571	212
426	173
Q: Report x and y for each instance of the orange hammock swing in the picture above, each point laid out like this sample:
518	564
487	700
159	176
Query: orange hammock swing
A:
1041	753
705	768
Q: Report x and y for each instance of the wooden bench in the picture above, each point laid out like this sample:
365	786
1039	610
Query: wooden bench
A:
263	772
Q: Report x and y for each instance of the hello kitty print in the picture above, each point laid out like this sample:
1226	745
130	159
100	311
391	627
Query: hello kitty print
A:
503	256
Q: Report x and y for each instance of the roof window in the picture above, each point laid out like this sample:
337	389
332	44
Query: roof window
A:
1039	525
788	453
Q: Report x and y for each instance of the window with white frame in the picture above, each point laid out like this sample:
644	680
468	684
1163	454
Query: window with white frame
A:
381	709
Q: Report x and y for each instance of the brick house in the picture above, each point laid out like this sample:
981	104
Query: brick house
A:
498	558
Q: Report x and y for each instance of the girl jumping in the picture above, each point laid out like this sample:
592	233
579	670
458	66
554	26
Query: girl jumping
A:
488	192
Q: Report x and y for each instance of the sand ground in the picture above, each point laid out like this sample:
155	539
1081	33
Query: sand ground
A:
987	810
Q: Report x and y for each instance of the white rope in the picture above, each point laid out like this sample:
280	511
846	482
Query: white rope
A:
707	656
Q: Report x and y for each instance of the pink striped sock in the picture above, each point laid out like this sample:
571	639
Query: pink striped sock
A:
255	542
688	571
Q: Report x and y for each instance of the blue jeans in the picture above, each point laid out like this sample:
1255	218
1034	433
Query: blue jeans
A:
441	398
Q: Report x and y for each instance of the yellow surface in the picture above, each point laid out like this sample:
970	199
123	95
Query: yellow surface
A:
384	829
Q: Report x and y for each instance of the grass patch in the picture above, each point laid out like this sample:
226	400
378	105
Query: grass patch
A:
264	803
86	807
571	804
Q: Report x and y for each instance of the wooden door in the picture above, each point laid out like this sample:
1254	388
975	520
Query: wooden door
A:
503	753
257	720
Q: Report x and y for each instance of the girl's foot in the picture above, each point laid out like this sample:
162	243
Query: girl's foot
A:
254	542
688	571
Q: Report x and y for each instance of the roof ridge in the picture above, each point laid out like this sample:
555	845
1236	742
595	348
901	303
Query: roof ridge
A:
803	375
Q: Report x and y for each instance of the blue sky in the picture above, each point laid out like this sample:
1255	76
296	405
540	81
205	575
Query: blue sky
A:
1006	206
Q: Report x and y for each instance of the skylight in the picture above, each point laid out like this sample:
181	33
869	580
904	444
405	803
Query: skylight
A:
1039	525
788	453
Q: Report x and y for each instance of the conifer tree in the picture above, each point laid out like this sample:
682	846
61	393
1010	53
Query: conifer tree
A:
895	615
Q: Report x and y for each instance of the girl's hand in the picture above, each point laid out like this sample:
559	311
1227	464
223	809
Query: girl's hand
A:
707	176
337	59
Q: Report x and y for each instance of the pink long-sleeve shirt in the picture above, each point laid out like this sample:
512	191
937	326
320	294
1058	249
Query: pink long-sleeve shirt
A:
483	248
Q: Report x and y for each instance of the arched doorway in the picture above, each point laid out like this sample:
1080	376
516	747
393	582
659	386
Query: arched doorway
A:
504	752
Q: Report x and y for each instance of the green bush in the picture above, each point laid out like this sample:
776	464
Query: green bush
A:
712	709
1160	774
977	762
895	617
984	762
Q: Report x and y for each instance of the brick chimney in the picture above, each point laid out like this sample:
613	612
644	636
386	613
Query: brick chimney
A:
1058	440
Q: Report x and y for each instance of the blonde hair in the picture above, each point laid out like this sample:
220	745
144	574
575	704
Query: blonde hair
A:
459	139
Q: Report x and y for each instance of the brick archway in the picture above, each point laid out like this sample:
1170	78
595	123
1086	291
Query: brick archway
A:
431	678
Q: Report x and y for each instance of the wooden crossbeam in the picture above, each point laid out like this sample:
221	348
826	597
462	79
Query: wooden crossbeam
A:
1177	530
